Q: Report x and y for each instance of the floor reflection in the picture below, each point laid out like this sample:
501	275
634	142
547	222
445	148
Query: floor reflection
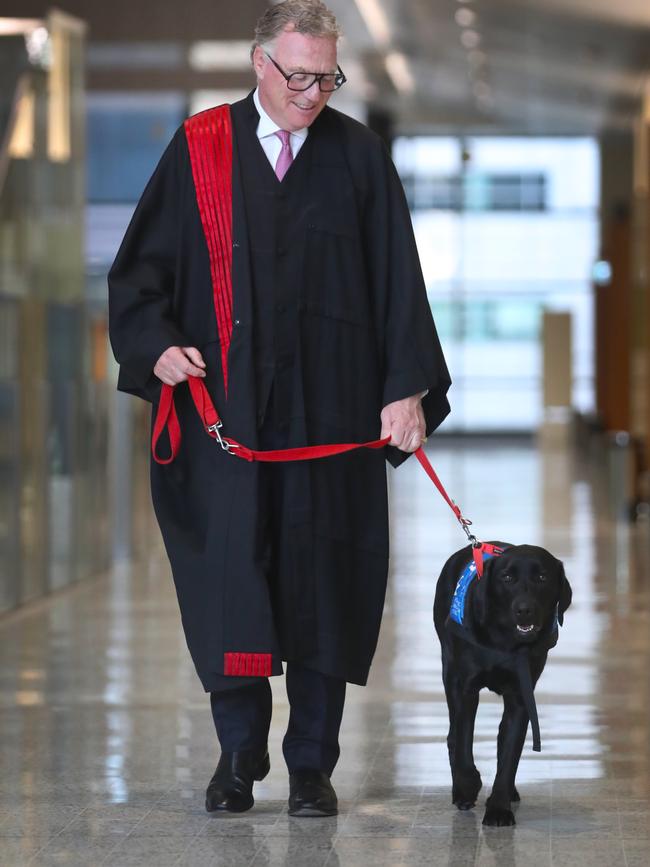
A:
107	737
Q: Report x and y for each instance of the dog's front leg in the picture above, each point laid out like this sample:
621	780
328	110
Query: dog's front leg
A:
512	734
466	779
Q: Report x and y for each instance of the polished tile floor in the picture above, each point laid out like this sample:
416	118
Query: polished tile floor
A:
107	740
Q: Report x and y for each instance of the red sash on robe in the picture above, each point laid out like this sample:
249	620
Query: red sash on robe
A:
209	140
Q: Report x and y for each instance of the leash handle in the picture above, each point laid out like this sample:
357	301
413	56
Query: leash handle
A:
166	417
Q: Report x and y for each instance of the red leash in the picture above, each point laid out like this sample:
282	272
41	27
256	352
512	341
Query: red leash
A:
478	548
166	417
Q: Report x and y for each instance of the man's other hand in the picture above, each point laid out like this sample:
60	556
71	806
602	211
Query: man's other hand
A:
178	363
403	420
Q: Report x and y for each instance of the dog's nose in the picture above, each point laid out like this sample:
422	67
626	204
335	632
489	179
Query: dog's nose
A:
523	611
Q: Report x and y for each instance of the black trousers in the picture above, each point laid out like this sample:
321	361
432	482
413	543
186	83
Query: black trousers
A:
242	716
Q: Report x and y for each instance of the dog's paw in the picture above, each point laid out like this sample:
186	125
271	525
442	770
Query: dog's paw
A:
465	790
515	796
463	801
498	817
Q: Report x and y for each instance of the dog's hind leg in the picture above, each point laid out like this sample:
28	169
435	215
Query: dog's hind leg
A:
512	734
466	779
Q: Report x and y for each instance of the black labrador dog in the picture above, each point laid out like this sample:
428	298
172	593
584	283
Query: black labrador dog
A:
496	632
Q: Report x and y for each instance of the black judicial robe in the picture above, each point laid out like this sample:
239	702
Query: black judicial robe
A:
348	330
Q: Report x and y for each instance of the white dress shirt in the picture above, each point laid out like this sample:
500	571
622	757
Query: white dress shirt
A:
266	133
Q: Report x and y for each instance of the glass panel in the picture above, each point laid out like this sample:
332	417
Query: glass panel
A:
137	124
506	227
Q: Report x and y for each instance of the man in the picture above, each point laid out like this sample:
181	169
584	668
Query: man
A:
325	336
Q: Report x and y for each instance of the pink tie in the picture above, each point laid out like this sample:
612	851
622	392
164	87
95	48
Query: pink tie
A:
286	157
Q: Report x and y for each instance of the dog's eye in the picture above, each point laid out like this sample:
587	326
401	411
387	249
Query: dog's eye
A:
507	578
542	576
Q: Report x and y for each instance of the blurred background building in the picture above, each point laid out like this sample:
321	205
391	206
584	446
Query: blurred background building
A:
521	132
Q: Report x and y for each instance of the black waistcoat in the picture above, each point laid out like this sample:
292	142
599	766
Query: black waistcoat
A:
275	214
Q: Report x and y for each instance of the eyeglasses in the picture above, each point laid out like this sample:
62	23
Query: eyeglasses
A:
327	81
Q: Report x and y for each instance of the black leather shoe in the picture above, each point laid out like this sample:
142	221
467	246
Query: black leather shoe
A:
311	794
231	786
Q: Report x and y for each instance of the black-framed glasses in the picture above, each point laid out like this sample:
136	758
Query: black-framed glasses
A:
327	81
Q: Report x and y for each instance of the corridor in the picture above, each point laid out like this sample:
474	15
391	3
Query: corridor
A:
108	741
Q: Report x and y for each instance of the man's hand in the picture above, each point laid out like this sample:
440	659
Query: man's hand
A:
178	363
404	421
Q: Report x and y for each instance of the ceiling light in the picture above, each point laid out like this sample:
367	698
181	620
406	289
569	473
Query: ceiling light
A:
18	26
211	54
465	17
601	273
376	21
199	100
400	73
39	47
470	38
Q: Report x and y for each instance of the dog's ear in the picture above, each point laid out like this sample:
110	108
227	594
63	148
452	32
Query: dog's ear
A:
565	596
480	593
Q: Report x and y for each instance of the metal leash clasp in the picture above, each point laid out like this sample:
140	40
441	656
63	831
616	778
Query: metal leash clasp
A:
465	523
225	445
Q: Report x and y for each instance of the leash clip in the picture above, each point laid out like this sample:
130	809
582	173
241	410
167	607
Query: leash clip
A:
465	523
225	445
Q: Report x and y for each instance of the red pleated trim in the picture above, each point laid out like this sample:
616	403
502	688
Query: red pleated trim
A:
209	140
247	664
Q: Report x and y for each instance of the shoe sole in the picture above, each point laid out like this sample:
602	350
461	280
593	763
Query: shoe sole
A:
221	808
311	812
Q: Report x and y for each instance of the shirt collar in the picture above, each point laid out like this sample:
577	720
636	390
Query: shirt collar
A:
267	126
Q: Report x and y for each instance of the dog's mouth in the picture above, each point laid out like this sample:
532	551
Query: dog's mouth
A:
527	628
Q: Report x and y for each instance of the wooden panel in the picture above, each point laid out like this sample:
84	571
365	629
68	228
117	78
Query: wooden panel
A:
612	310
556	336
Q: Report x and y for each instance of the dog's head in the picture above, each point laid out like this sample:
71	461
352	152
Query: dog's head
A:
520	592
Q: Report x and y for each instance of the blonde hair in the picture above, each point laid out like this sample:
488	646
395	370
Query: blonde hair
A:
309	17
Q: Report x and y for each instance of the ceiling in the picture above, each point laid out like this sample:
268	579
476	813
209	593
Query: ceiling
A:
542	66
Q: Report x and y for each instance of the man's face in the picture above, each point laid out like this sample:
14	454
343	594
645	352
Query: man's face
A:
293	110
